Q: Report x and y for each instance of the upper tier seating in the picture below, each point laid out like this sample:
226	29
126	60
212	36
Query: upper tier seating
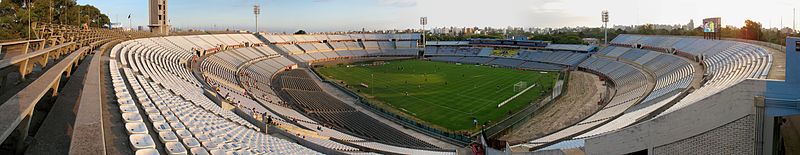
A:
726	62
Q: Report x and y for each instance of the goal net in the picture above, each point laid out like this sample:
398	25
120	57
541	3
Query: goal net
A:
520	86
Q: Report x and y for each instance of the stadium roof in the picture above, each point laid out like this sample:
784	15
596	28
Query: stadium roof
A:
447	43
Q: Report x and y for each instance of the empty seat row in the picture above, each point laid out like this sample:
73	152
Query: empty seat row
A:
173	105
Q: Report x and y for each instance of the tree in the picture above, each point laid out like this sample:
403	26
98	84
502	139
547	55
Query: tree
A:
14	15
10	21
751	30
300	32
730	32
646	29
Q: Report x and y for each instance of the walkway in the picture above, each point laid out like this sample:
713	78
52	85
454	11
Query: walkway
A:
778	69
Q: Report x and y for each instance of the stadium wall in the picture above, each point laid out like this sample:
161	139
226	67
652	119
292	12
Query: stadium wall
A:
722	123
736	137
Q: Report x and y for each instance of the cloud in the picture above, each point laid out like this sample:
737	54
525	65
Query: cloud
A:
398	3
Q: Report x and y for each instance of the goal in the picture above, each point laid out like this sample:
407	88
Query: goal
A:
520	86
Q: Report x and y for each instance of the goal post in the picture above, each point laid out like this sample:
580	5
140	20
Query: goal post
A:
519	86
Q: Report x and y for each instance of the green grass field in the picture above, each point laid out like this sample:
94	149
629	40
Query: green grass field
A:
443	95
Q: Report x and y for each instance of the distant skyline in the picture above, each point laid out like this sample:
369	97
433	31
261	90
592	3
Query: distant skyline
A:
351	15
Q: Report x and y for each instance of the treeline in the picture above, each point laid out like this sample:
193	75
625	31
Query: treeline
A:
14	15
751	30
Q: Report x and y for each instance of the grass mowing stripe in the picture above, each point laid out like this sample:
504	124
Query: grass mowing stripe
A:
446	107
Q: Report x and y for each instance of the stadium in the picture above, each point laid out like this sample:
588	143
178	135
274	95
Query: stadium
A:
88	88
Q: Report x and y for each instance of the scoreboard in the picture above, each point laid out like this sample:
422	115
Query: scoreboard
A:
711	28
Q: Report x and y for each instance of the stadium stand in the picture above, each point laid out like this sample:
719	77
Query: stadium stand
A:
528	59
150	83
732	108
726	62
673	75
41	65
668	59
219	93
347	46
572	47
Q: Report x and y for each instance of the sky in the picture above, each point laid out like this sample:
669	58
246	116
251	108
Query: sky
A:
347	15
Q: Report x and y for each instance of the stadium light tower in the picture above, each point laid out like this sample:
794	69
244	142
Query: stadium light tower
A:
423	21
605	26
256	11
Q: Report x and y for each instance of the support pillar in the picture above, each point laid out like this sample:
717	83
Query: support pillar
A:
22	130
55	87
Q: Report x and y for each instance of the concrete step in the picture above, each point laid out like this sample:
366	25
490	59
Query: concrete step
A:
54	134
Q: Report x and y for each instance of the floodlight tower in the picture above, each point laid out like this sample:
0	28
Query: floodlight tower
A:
423	21
605	26
256	11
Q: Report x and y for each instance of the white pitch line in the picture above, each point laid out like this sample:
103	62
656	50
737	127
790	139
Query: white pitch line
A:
515	96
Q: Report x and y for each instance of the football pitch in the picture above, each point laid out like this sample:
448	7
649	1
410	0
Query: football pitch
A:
444	95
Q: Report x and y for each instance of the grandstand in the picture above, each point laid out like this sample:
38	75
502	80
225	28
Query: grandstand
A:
673	62
245	93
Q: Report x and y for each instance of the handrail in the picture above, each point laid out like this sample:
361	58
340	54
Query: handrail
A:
19	42
19	58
